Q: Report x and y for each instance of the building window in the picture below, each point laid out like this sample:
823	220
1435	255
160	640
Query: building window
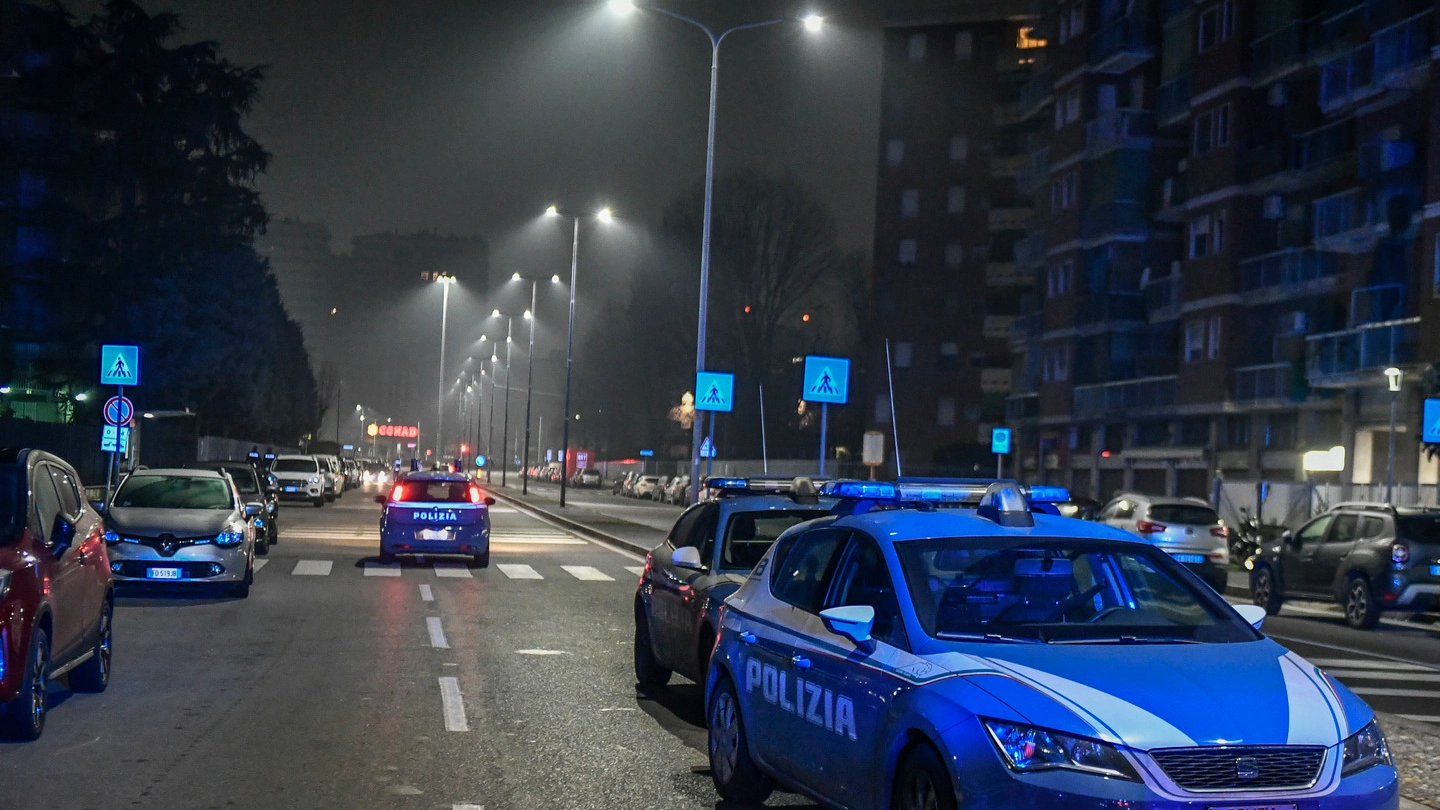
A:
908	248
1212	129
910	203
1194	341
904	354
1207	235
894	151
1077	18
1280	431
1072	105
917	47
964	45
882	408
959	149
955	199
1025	39
1235	431
950	305
954	254
1061	279
1064	192
1217	24
949	359
1057	364
945	412
1212	351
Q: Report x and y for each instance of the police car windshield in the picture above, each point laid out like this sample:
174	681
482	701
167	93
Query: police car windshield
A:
180	492
749	535
1060	590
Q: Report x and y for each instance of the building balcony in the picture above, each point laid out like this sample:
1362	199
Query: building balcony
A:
1010	219
1113	217
1120	129
1391	58
1022	405
1279	52
1030	251
1037	93
1007	274
1009	165
1163	297
1344	223
1264	383
1324	144
1108	399
1357	356
1122	45
997	327
1172	100
995	380
1036	172
1288	273
1110	306
1025	332
1378	303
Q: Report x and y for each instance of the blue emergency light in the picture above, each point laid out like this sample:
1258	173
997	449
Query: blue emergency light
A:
1041	493
727	483
870	490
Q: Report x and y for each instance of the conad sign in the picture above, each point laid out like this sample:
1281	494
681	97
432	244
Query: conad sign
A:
399	431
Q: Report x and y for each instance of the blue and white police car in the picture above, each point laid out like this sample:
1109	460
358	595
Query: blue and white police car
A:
896	655
435	513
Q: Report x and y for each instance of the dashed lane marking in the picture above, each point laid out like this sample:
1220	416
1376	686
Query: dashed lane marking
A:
553	540
426	595
467	807
1360	663
313	568
374	569
453	705
437	633
260	564
453	571
516	571
1378	692
587	573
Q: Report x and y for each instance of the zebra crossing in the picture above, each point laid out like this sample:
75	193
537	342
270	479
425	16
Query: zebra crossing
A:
1379	678
446	569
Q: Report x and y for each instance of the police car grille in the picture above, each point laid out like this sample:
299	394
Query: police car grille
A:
1218	768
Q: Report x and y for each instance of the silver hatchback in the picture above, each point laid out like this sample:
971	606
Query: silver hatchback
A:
1188	529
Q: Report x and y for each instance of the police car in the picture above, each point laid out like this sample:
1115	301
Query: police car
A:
895	655
435	513
707	554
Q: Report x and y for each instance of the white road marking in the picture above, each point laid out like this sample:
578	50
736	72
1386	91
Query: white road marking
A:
453	571
1342	648
554	540
312	568
260	564
587	573
374	569
637	570
452	704
1373	675
467	807
1356	663
332	534
541	652
437	633
515	571
1423	718
426	595
1417	693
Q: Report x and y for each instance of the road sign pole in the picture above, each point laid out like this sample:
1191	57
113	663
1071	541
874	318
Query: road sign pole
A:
710	457
824	422
999	465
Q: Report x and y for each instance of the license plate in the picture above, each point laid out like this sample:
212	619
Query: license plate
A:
162	573
435	534
436	515
1251	807
1192	559
1435	570
292	489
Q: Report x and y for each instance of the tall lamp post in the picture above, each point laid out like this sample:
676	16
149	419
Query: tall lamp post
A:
444	280
529	377
813	23
505	428
604	215
1393	377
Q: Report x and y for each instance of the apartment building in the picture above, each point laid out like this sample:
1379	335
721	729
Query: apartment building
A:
951	207
1234	239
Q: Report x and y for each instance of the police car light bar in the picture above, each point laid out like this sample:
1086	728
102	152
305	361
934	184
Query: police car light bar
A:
869	490
1039	493
727	483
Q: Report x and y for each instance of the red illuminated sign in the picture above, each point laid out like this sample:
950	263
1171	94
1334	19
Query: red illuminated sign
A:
399	431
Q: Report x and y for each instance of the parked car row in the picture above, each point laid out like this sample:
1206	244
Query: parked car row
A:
662	488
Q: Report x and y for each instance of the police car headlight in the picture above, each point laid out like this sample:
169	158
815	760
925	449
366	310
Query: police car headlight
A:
111	538
229	538
1027	749
1366	748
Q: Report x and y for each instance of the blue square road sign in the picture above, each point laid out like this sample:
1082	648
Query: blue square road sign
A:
119	365
714	391
827	380
1430	429
1000	441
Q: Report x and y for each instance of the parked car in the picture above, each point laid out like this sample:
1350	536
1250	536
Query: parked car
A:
586	479
658	492
435	513
334	476
248	482
644	485
173	526
679	490
301	477
1368	557
56	592
1188	529
626	483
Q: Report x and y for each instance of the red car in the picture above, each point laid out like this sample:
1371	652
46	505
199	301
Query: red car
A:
56	595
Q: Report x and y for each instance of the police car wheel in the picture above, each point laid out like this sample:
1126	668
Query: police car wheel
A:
386	558
922	783
736	776
482	560
648	672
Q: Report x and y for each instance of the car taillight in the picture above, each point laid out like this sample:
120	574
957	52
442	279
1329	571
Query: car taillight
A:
1400	553
398	493
476	496
1149	527
1219	531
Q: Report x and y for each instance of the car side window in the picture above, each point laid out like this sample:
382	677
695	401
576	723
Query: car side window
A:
45	504
71	502
802	577
682	532
1314	530
704	534
1371	527
863	578
1346	529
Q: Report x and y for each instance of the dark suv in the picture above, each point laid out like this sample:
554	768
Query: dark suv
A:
1368	557
56	596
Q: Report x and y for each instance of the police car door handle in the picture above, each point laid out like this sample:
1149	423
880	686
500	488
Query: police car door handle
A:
800	661
748	637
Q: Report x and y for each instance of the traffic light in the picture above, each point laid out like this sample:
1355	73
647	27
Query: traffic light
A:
464	448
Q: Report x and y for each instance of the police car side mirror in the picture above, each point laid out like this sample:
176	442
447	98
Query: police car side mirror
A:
687	557
1254	615
851	621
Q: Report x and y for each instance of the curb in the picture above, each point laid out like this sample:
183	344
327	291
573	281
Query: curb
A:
569	525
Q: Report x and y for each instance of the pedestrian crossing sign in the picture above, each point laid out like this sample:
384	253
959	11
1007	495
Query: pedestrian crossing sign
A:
707	448
1430	429
827	380
714	391
119	365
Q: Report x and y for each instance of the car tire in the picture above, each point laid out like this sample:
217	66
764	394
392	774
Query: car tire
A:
922	783
94	674
318	502
1362	612
23	717
386	558
648	672
262	546
241	589
1265	590
482	560
737	778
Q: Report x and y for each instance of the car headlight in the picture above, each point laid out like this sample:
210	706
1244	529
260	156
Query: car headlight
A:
111	538
1366	748
315	480
1028	749
229	538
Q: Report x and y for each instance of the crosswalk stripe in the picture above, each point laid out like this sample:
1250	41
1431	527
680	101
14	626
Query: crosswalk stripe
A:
1374	675
557	540
1423	718
260	564
374	569
637	570
1363	663
453	571
517	571
312	568
1417	693
587	573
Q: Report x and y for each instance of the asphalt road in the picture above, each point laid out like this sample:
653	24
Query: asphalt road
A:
343	684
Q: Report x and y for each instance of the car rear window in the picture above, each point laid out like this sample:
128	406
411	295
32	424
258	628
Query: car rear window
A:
1419	528
431	491
1184	513
244	479
12	504
300	465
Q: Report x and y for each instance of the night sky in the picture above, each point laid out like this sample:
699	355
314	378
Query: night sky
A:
470	116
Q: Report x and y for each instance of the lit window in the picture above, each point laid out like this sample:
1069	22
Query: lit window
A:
945	412
955	199
959	149
1213	351
1025	39
882	408
954	254
1194	341
904	354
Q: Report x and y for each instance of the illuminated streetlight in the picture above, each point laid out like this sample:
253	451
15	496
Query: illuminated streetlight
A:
812	22
622	6
515	277
444	280
1393	377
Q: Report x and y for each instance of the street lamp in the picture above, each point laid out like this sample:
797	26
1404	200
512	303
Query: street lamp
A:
1393	377
505	428
606	216
445	280
812	23
529	377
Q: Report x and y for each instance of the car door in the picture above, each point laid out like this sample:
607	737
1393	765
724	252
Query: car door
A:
1330	553
66	573
845	690
799	580
89	544
1297	555
667	600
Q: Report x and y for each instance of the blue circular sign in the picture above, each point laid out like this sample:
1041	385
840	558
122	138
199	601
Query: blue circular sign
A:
480	461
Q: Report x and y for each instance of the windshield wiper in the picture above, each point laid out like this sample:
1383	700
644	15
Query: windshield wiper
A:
996	638
1129	640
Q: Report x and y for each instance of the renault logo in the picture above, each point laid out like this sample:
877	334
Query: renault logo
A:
1247	768
168	544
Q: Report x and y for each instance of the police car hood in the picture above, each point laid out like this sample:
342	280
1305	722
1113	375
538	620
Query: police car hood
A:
1163	696
179	522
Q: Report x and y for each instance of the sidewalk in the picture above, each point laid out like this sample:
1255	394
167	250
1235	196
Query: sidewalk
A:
635	537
